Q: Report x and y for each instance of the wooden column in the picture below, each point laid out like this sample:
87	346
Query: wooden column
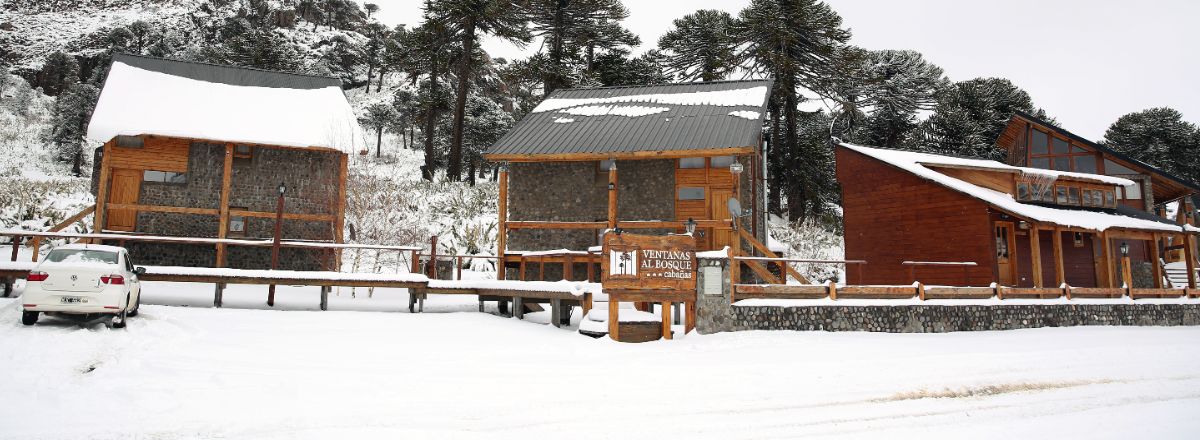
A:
613	318
1126	274
339	219
502	221
612	196
1189	258
1060	275
1035	255
102	189
666	320
226	184
1155	264
1106	255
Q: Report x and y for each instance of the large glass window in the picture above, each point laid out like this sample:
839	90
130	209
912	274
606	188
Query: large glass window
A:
722	161
1085	164
691	162
164	177
1051	152
691	193
1038	142
1132	192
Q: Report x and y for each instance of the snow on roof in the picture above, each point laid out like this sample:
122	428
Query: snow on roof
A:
137	101
984	164
746	97
632	111
1097	221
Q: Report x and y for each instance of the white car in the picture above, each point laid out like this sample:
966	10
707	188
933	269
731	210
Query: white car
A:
83	282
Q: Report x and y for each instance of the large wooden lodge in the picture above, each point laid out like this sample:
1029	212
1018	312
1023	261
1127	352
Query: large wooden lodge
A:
201	150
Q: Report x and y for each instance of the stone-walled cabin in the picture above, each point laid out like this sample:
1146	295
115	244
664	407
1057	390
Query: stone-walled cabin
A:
200	150
1018	226
645	159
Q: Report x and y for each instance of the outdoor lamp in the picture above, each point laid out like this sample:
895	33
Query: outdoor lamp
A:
1124	249
735	168
690	226
282	188
611	186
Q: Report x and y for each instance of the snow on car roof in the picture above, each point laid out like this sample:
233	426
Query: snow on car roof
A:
915	163
94	247
150	96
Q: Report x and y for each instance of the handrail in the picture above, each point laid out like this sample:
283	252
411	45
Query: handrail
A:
939	263
800	260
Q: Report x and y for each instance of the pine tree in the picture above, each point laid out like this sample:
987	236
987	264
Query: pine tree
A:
568	27
71	113
900	84
1159	137
465	18
59	73
700	46
970	115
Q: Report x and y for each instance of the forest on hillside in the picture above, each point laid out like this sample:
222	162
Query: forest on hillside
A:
431	84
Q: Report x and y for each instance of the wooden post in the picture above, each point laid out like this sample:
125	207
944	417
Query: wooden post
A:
733	273
275	244
339	220
832	290
568	267
1189	258
666	320
587	303
613	318
518	307
590	270
1060	274
1106	254
1035	254
102	189
1155	260
458	268
542	268
689	317
521	268
16	246
416	262
502	222
612	196
1126	275
226	184
431	266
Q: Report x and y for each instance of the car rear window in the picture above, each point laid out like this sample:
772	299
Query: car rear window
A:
81	256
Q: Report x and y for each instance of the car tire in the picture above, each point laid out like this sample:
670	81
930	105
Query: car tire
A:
137	305
29	318
121	317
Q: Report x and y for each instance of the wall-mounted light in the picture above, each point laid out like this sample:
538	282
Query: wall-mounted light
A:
1023	224
690	226
735	168
611	186
282	188
1124	249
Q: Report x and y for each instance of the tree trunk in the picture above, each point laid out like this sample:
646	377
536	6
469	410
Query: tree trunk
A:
431	118
382	72
378	141
370	74
550	82
471	173
454	170
775	178
77	167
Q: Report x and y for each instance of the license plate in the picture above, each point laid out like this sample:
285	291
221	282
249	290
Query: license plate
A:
72	300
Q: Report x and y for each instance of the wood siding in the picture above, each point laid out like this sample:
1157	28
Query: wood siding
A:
1078	262
158	154
892	216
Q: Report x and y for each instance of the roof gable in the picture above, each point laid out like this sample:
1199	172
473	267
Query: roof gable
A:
631	121
151	96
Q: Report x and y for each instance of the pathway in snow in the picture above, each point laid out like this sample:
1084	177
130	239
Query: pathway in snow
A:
185	372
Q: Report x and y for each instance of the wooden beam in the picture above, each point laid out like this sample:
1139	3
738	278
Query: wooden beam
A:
102	189
160	208
613	319
1035	254
554	225
612	196
502	221
36	243
1106	256
1060	275
666	319
1155	263
630	155
1189	258
286	216
339	221
226	184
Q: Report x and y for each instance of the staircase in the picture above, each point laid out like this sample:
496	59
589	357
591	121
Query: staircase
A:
1177	273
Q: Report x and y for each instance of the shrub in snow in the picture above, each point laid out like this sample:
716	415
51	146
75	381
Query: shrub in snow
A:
819	238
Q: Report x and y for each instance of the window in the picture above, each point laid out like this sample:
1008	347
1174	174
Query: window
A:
1002	244
691	193
1023	191
691	162
128	263
602	169
1113	169
1109	200
1087	197
1051	152
722	161
1073	195
1061	195
1132	192
241	151
81	256
130	142
237	224
1078	239
164	177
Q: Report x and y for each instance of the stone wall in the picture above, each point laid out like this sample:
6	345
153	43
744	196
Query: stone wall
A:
715	314
311	179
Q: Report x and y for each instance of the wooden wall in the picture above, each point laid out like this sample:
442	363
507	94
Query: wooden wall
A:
892	216
1079	263
157	153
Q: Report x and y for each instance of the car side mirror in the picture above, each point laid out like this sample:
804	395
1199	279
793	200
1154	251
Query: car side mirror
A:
139	270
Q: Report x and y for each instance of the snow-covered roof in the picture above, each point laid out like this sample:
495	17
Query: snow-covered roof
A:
221	103
613	121
936	160
915	163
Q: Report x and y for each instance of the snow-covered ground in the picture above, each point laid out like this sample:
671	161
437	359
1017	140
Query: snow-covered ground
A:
192	372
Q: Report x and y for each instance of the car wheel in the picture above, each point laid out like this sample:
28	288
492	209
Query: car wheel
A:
118	320
29	318
137	305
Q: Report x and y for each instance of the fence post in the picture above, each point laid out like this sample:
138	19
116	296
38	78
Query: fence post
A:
16	246
458	267
832	290
416	262
431	268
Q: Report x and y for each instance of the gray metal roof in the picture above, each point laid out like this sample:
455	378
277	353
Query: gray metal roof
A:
681	127
232	75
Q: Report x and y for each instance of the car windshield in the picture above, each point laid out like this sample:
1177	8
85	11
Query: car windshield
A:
81	256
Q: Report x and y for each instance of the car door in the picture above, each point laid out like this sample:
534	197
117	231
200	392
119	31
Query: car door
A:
135	285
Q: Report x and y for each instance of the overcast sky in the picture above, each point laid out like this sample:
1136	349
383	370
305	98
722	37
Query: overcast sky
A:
1085	62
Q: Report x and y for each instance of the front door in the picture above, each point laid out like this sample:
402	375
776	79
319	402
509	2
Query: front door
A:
126	184
719	210
1005	253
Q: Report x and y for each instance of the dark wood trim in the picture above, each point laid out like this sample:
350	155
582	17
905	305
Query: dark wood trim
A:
630	155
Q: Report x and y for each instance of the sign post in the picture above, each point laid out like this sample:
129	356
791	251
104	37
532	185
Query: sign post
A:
654	269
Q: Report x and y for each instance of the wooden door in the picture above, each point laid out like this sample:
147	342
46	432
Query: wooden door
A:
126	184
1006	253
718	204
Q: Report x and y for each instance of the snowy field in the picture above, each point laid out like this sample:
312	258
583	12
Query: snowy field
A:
195	372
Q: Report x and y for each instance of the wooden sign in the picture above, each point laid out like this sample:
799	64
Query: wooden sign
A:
645	262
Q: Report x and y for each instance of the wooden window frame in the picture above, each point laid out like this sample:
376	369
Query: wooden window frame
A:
229	231
1050	155
1077	238
239	155
165	181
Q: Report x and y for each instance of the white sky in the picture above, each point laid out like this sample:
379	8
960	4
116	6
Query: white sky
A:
1087	62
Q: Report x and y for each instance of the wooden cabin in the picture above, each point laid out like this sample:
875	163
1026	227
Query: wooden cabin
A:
1023	227
200	150
644	159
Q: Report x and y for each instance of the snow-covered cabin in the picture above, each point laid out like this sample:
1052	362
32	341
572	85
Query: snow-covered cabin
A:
1023	227
200	150
642	158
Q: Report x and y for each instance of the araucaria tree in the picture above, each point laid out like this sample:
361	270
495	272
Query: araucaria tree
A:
1160	137
466	19
700	46
970	116
792	41
571	31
